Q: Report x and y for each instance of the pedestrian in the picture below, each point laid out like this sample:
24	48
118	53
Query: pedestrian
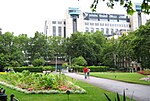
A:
85	72
88	73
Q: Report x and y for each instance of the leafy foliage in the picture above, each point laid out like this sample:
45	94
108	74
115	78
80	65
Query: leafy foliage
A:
127	4
38	62
79	61
117	98
88	45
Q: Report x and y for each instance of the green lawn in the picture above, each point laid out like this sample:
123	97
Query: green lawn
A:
126	77
93	94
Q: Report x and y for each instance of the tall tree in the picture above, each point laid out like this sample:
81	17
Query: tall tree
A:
88	45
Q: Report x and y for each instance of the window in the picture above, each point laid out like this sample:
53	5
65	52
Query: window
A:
102	29
112	31
53	22
92	30
64	23
106	24
101	24
86	23
97	29
107	31
59	22
96	24
92	24
104	19
54	30
59	30
113	20
86	29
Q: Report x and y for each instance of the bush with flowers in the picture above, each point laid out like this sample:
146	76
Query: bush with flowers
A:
28	82
145	72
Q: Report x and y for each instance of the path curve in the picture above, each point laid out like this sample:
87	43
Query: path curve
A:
139	92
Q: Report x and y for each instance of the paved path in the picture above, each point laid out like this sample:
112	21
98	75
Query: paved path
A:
139	92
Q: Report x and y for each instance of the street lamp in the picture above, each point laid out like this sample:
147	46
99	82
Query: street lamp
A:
56	64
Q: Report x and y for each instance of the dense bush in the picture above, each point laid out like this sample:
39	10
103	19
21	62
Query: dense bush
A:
94	68
38	62
34	69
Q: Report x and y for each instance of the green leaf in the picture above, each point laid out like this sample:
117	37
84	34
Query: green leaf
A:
118	98
107	97
124	96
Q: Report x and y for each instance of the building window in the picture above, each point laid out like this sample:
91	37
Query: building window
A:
92	24
59	30
101	24
97	29
116	31
86	23
102	29
54	30
107	31
104	19
53	22
112	31
96	24
106	24
59	22
64	23
86	29
92	30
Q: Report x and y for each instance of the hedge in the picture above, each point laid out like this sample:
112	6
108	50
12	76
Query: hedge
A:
92	68
34	69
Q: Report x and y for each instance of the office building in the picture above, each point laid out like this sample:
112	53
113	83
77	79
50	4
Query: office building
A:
109	24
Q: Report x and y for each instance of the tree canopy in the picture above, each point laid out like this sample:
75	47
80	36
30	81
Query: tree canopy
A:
127	4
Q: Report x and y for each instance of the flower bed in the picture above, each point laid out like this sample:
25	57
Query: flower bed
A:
27	82
145	72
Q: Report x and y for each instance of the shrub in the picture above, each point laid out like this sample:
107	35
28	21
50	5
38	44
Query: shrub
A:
38	62
94	68
145	72
34	69
79	61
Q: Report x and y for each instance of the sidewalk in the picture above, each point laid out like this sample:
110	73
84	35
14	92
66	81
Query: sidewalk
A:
139	92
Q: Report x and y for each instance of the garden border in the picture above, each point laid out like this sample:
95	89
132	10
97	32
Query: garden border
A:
81	91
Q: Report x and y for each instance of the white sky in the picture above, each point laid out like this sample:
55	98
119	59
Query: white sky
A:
28	16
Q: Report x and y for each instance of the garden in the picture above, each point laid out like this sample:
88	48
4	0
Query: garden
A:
37	90
28	82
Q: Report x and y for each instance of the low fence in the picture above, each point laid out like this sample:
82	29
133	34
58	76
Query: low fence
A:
3	96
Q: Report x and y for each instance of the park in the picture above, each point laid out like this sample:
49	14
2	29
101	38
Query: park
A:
51	68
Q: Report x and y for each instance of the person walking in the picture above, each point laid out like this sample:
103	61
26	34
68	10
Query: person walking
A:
85	72
88	73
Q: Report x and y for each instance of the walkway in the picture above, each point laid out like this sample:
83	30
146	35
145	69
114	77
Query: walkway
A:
139	92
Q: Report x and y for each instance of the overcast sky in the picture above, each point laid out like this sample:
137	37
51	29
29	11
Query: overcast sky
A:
28	16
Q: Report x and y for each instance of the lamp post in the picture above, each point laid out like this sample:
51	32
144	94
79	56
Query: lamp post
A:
56	64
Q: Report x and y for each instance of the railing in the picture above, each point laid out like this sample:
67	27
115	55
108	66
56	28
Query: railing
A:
3	96
12	98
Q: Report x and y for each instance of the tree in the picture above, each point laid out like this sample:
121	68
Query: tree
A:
38	47
127	4
87	45
38	62
79	61
109	50
142	47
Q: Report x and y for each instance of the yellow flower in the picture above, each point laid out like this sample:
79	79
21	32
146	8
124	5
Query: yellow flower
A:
2	72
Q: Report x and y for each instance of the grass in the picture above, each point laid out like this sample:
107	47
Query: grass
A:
93	94
126	77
